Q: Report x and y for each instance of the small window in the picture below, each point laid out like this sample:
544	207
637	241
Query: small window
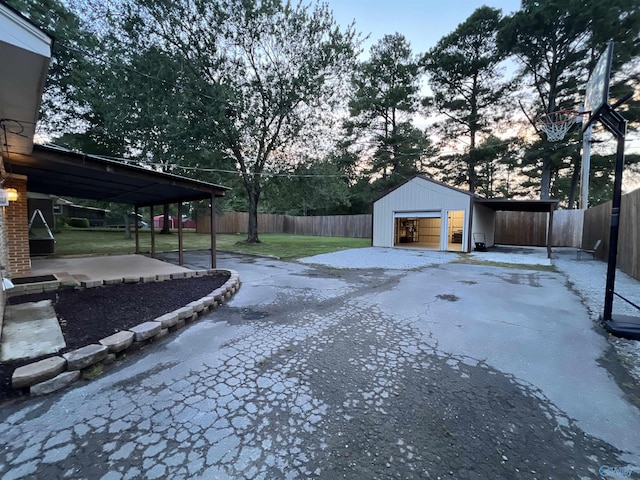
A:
57	209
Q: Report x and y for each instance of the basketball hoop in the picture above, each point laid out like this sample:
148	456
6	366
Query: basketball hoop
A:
556	124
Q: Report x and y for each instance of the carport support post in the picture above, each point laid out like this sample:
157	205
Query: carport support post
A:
212	214
153	234
135	229
550	231
180	246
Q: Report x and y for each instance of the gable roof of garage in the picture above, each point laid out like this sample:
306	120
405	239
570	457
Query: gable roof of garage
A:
430	180
497	204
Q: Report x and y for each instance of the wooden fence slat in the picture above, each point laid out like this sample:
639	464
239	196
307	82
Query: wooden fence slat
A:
530	228
353	226
597	227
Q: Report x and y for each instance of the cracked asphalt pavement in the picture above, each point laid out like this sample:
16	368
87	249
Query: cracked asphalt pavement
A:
446	371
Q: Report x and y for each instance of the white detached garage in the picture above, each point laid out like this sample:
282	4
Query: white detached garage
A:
428	214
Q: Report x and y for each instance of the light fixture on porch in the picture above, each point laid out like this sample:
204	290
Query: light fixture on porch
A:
12	194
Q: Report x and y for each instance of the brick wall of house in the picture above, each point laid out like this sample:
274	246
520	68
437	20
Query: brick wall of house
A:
3	261
16	226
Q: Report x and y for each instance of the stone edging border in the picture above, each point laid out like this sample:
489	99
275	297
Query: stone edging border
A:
57	372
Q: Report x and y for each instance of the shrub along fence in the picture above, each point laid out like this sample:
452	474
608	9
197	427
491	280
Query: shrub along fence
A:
597	224
353	226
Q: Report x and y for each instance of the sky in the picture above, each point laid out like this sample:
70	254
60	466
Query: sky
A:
422	22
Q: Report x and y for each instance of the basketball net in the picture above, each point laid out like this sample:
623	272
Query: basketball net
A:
556	124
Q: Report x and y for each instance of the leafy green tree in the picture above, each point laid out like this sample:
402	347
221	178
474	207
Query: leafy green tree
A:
258	69
497	158
385	97
72	64
468	87
310	188
548	40
556	43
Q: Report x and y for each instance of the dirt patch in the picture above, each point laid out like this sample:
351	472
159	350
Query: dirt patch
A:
88	315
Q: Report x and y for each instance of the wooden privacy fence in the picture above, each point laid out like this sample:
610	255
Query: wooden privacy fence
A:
530	228
353	226
512	228
597	227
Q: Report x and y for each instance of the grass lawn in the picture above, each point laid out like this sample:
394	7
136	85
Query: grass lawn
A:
71	241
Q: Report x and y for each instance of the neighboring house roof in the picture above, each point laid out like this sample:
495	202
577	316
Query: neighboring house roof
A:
25	51
58	171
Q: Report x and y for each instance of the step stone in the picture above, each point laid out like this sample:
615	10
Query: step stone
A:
146	330
56	383
85	356
184	312
37	372
168	319
118	341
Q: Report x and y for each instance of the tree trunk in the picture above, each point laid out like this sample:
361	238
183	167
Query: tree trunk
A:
471	173
545	181
166	229
127	227
575	177
252	235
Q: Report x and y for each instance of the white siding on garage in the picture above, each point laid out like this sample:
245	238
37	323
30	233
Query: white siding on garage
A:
417	195
484	220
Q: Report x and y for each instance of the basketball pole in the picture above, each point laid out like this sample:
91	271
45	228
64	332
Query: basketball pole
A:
585	167
617	125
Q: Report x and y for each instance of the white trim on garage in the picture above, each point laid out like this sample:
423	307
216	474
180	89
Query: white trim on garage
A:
429	214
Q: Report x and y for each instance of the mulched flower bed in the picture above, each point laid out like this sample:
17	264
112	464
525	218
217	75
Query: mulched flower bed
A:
88	315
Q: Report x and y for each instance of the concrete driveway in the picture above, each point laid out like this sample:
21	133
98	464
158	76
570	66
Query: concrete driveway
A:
448	370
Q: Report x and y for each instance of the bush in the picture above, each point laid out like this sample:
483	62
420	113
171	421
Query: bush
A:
79	222
61	222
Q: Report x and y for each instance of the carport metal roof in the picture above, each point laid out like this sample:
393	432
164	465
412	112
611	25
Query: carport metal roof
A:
517	205
57	171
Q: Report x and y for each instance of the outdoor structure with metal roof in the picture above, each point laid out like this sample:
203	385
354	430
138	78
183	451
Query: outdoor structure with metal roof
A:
424	213
57	171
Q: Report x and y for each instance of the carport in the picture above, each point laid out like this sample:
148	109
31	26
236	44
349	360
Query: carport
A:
522	206
58	171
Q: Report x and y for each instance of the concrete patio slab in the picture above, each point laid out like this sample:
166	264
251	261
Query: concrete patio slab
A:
30	330
107	267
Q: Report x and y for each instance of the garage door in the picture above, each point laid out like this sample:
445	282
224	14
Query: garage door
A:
429	214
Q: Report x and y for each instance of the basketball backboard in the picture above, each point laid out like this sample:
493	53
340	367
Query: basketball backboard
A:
597	91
